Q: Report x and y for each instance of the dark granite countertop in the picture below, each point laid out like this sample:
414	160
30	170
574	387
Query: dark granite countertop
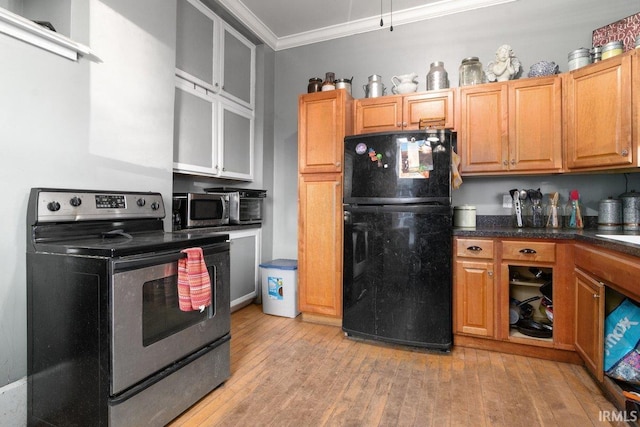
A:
501	229
218	228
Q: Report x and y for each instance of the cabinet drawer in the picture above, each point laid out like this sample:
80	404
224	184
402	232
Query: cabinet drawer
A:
529	251
617	270
474	248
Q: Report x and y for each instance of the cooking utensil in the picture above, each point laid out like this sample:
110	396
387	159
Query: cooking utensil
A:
552	221
516	195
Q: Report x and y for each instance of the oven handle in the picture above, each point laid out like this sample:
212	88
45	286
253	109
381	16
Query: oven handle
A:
167	258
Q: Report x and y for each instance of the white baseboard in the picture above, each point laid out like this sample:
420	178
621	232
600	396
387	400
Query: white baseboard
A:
13	404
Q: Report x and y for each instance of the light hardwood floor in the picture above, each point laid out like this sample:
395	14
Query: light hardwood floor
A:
285	372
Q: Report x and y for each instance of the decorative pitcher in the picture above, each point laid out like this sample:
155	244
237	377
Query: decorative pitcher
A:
405	83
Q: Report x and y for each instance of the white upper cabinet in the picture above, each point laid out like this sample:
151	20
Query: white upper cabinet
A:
195	47
214	99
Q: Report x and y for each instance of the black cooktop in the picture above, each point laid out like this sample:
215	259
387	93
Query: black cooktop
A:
121	245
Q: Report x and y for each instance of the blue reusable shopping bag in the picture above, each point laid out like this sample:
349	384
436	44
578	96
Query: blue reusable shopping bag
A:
622	334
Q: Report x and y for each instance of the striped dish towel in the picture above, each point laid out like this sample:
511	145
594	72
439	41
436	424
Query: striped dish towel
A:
194	284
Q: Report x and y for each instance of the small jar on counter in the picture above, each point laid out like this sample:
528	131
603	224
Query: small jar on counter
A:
611	49
464	216
315	85
579	58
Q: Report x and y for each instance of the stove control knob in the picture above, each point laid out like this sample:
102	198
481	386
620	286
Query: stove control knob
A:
75	201
155	206
53	206
141	202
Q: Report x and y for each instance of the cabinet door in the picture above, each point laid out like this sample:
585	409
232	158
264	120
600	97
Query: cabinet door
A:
589	322
321	131
193	135
535	125
378	114
320	225
237	74
598	115
235	141
244	261
430	105
474	297
195	43
482	131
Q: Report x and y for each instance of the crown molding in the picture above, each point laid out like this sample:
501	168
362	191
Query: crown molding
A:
400	17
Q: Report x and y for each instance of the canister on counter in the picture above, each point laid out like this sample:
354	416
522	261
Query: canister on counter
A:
464	216
630	210
579	58
610	214
612	49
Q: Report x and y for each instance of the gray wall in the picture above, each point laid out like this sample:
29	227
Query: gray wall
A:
536	30
100	125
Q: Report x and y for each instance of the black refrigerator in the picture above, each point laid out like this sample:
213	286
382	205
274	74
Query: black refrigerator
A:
397	238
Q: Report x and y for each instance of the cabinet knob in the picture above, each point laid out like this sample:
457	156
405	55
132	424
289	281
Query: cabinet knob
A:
399	124
337	164
596	296
504	162
513	161
490	273
625	153
404	124
528	251
474	248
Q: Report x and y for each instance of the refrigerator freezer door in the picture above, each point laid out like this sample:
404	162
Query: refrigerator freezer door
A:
397	168
397	274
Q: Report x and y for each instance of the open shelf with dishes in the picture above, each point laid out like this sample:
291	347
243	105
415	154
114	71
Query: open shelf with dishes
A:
531	302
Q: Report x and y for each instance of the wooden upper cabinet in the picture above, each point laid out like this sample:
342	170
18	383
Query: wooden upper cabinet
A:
428	105
483	143
514	127
323	122
380	114
599	115
535	124
403	112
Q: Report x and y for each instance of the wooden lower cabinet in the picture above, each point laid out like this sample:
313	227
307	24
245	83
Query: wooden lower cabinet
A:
320	243
589	321
484	285
473	289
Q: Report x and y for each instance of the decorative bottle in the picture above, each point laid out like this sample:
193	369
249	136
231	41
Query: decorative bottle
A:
329	82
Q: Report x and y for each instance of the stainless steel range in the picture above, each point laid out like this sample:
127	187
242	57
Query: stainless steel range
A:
107	342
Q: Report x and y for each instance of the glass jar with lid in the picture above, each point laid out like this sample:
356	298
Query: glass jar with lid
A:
470	71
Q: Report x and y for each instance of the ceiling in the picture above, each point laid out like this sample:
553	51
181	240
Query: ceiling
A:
283	24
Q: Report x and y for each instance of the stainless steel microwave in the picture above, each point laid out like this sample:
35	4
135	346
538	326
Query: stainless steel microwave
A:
245	205
191	210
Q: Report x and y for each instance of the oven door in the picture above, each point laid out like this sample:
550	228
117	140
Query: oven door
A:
148	330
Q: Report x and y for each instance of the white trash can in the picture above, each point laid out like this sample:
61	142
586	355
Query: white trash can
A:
280	287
